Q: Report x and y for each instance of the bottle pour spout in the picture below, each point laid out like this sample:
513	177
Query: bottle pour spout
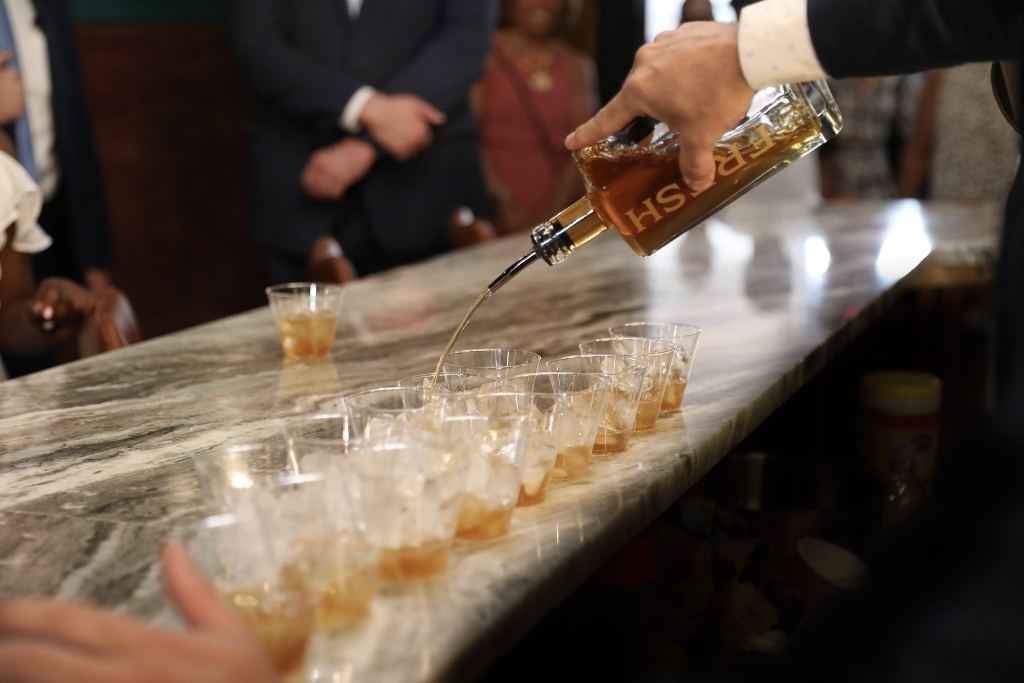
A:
512	271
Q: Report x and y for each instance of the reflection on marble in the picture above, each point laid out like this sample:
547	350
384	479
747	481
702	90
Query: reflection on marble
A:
95	460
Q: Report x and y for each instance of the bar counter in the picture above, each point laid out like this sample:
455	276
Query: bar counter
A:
96	456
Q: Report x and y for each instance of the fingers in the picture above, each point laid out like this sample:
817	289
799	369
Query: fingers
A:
29	661
5	56
611	119
195	597
696	161
432	114
70	623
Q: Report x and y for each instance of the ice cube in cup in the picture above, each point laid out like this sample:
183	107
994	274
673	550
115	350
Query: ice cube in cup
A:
306	315
657	353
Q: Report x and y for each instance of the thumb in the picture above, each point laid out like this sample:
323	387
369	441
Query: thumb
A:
194	596
5	56
611	119
432	114
697	162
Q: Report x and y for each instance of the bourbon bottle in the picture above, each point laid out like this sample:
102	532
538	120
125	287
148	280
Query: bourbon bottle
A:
634	185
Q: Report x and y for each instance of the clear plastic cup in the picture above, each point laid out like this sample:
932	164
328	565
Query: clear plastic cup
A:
684	337
320	433
544	419
584	395
454	382
498	364
495	447
657	353
412	493
306	314
267	571
230	476
626	382
389	414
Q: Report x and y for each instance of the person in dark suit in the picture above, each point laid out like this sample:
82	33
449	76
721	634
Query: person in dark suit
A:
58	151
362	126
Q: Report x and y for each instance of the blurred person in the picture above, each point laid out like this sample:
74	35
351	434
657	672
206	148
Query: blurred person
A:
962	146
536	90
859	164
362	126
57	640
45	111
31	319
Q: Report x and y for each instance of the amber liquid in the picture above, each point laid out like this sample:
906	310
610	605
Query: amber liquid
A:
307	335
414	563
572	462
458	331
674	391
647	413
640	192
346	596
281	622
535	495
480	523
610	442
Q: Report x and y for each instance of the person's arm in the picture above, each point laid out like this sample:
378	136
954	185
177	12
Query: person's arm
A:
699	78
298	85
33	320
54	641
452	60
917	156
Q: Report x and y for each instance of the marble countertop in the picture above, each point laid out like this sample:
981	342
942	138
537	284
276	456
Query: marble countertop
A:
96	456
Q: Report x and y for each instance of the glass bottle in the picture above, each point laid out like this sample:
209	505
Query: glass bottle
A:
634	185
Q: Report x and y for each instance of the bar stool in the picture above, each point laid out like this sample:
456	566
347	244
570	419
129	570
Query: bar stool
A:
112	325
466	229
328	264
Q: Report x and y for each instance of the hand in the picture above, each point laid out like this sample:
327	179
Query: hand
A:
332	170
689	78
60	305
54	641
97	279
401	123
12	95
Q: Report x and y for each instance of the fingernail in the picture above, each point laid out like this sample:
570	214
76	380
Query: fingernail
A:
48	312
570	139
699	185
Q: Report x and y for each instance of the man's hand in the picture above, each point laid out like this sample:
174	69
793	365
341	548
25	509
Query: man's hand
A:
60	305
401	123
12	95
55	641
690	78
97	279
332	170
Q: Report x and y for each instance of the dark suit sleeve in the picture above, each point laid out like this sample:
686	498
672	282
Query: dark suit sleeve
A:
299	86
886	37
453	59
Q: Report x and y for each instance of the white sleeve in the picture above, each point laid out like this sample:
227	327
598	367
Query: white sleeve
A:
349	121
775	44
20	204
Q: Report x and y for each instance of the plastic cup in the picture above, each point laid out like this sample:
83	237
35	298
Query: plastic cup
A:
684	337
393	413
543	418
495	448
498	364
306	314
625	376
412	493
228	477
657	353
584	396
453	382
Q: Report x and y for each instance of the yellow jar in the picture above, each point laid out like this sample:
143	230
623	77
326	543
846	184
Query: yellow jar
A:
901	411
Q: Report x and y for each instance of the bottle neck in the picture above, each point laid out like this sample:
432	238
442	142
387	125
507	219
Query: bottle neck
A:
566	232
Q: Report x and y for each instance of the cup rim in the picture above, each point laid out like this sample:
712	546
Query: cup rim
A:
282	290
642	365
695	329
672	350
531	355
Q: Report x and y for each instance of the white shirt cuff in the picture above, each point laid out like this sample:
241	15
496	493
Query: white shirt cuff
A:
775	44
349	120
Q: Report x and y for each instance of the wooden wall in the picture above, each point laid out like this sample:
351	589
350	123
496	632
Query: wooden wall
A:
169	114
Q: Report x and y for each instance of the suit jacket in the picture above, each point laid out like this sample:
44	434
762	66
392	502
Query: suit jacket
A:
304	60
81	178
881	37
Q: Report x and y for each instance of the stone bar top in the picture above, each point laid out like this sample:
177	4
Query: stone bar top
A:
96	456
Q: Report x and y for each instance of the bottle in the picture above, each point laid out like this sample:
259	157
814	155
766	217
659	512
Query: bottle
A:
634	185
